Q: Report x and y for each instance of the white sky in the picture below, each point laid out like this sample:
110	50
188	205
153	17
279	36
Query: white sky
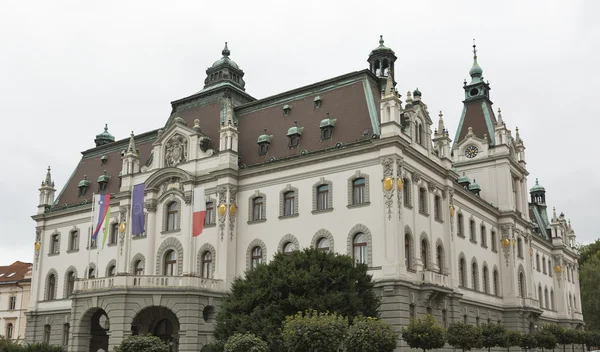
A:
68	67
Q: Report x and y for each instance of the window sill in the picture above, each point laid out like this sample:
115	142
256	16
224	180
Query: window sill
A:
484	246
494	250
170	232
322	211
53	254
138	237
411	270
358	205
441	221
73	250
256	221
291	216
111	244
408	206
212	224
472	241
460	235
423	213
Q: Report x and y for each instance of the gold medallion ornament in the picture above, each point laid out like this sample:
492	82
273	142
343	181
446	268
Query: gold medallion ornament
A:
531	251
400	184
505	243
232	209
557	269
388	183
451	210
37	246
222	209
122	227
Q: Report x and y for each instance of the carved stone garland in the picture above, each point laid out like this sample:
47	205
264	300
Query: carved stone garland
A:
232	210
398	181
451	205
558	262
38	244
505	235
176	150
388	184
222	192
122	221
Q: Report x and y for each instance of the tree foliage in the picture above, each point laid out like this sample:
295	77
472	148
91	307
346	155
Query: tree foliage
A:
589	276
528	342
464	336
307	279
313	331
142	343
493	336
424	334
545	340
587	251
245	343
17	345
368	334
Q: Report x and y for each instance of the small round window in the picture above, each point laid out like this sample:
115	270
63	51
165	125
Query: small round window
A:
473	92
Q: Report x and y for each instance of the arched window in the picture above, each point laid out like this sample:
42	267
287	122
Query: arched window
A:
74	240
425	253
257	208
172	210
486	279
207	262
460	224
66	328
406	192
323	197
552	299
70	283
475	276
358	191
9	331
494	243
419	133
288	248
51	288
91	272
540	297
496	283
289	203
408	260
359	246
439	256
256	257
522	287
546	299
170	267
323	244
138	268
520	247
462	272
112	271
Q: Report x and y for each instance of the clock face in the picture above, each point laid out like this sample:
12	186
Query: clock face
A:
103	322
471	151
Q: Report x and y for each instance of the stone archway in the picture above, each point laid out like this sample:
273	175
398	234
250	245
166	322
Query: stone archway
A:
93	331
158	321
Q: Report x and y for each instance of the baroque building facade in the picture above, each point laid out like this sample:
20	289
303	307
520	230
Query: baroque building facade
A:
445	227
15	286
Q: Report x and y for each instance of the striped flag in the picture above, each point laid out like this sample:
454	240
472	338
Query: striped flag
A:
199	207
101	216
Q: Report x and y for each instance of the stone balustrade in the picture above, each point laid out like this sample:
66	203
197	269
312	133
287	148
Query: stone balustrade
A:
135	282
434	278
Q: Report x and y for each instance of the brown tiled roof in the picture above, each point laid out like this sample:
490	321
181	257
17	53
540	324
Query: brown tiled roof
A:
344	98
17	269
475	118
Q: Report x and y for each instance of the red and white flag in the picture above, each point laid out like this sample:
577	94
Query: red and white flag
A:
199	211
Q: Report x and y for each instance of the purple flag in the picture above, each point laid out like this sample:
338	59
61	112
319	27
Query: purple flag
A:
137	210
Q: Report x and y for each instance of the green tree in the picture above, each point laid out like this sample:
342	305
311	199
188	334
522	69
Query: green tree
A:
371	335
545	339
589	276
560	333
307	279
528	342
579	337
493	336
313	331
245	343
142	343
424	334
592	339
513	339
587	251
464	336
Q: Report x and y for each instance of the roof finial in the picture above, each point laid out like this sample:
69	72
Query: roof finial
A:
48	180
105	127
474	50
536	181
381	40
476	72
440	129
225	51
517	136
499	122
131	147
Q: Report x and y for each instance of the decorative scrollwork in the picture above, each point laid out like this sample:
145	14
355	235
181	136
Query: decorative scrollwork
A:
222	191
232	210
176	150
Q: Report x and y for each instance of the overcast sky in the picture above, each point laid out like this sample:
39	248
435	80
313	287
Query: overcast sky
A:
69	67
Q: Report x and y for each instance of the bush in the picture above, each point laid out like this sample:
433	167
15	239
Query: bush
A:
9	345
528	342
142	343
493	336
314	331
545	339
371	335
513	339
424	334
245	343
464	336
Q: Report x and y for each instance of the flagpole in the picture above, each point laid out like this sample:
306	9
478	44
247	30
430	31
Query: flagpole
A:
90	236
192	249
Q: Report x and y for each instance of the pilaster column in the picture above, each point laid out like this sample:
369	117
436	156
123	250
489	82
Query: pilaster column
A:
151	205
390	217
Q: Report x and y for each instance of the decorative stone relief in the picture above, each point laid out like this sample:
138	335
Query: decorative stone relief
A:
232	210
399	182
171	183
176	150
416	177
151	205
38	245
222	209
505	243
187	197
122	227
388	184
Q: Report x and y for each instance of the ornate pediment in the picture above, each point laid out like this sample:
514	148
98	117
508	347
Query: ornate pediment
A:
176	150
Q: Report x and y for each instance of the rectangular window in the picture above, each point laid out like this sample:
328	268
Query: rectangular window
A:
210	212
358	191
12	302
257	209
47	333
550	267
483	236
289	202
322	197
412	312
74	240
55	245
473	235
114	233
544	265
66	328
494	244
437	209
406	192
422	201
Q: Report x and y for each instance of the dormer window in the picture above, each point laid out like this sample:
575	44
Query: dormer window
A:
83	186
294	134
287	109
317	102
103	159
103	182
327	125
264	142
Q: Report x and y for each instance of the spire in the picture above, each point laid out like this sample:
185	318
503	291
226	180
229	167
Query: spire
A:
499	122
476	71
440	129
225	51
389	84
518	140
554	217
48	180
131	149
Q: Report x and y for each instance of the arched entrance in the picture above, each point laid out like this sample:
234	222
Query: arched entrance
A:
94	327
158	321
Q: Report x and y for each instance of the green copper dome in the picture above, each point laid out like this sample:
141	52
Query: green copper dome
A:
225	60
328	121
464	179
103	178
474	186
104	137
264	138
85	182
381	47
417	93
537	187
295	130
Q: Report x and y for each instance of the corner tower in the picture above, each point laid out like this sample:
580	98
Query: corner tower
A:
381	62
477	112
224	71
